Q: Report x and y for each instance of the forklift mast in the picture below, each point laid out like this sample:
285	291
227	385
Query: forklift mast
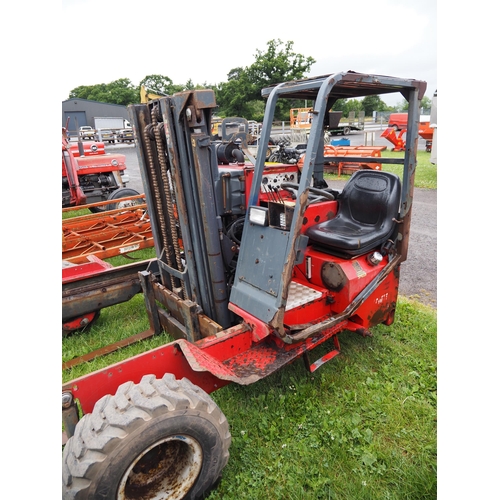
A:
179	184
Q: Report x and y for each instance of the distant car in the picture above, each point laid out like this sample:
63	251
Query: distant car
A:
126	135
106	136
87	132
398	121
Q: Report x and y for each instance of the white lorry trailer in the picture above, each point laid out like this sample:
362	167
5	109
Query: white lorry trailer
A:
111	123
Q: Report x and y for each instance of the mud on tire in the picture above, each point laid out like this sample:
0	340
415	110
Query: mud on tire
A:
158	437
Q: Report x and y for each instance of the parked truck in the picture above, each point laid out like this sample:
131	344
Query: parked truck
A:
111	123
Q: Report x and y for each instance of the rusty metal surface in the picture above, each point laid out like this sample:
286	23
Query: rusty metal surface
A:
255	362
107	349
168	470
351	84
109	287
105	235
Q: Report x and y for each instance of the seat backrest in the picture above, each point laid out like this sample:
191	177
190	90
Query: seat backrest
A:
368	209
371	197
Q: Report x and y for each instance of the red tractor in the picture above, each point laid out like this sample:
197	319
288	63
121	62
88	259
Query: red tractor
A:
258	265
90	175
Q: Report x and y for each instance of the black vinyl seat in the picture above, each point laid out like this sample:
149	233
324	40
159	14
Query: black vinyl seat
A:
368	208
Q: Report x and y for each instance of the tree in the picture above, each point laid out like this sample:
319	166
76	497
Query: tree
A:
372	103
278	64
340	105
161	85
120	91
352	105
425	103
239	96
232	96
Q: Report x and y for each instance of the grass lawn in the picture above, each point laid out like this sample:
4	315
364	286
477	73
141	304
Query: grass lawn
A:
362	426
425	174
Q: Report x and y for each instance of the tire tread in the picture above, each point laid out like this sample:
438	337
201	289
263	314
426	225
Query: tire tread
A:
114	417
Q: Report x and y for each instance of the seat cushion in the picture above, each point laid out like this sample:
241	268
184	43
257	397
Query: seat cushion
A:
368	207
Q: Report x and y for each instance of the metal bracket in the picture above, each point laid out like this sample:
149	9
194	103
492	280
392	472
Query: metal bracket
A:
312	367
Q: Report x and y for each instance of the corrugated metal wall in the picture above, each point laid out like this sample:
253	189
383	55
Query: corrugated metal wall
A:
85	111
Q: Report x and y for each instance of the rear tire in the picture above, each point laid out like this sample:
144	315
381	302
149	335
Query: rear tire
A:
161	438
124	193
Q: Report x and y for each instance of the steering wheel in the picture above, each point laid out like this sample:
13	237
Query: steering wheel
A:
315	194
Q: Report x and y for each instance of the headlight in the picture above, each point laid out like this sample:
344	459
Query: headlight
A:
258	215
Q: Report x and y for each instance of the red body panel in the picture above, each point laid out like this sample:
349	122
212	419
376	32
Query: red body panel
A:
288	173
95	159
91	268
98	164
89	149
397	140
319	212
425	131
210	363
70	171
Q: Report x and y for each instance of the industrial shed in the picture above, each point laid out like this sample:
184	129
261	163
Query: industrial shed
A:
84	111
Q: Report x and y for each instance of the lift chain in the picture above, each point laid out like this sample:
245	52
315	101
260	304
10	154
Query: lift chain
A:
157	200
169	195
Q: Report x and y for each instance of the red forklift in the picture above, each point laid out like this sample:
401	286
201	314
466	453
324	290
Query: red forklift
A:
258	264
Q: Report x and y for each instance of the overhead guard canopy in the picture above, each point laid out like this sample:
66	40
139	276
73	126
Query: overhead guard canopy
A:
348	85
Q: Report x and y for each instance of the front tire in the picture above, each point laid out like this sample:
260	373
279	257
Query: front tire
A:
161	438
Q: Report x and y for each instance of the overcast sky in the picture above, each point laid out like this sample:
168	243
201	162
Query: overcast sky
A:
203	41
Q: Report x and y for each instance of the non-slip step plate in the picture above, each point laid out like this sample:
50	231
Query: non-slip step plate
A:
300	294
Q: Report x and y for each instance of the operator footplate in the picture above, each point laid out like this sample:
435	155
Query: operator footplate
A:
299	295
305	305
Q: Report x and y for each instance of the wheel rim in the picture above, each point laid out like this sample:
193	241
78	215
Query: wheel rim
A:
80	323
169	466
127	203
